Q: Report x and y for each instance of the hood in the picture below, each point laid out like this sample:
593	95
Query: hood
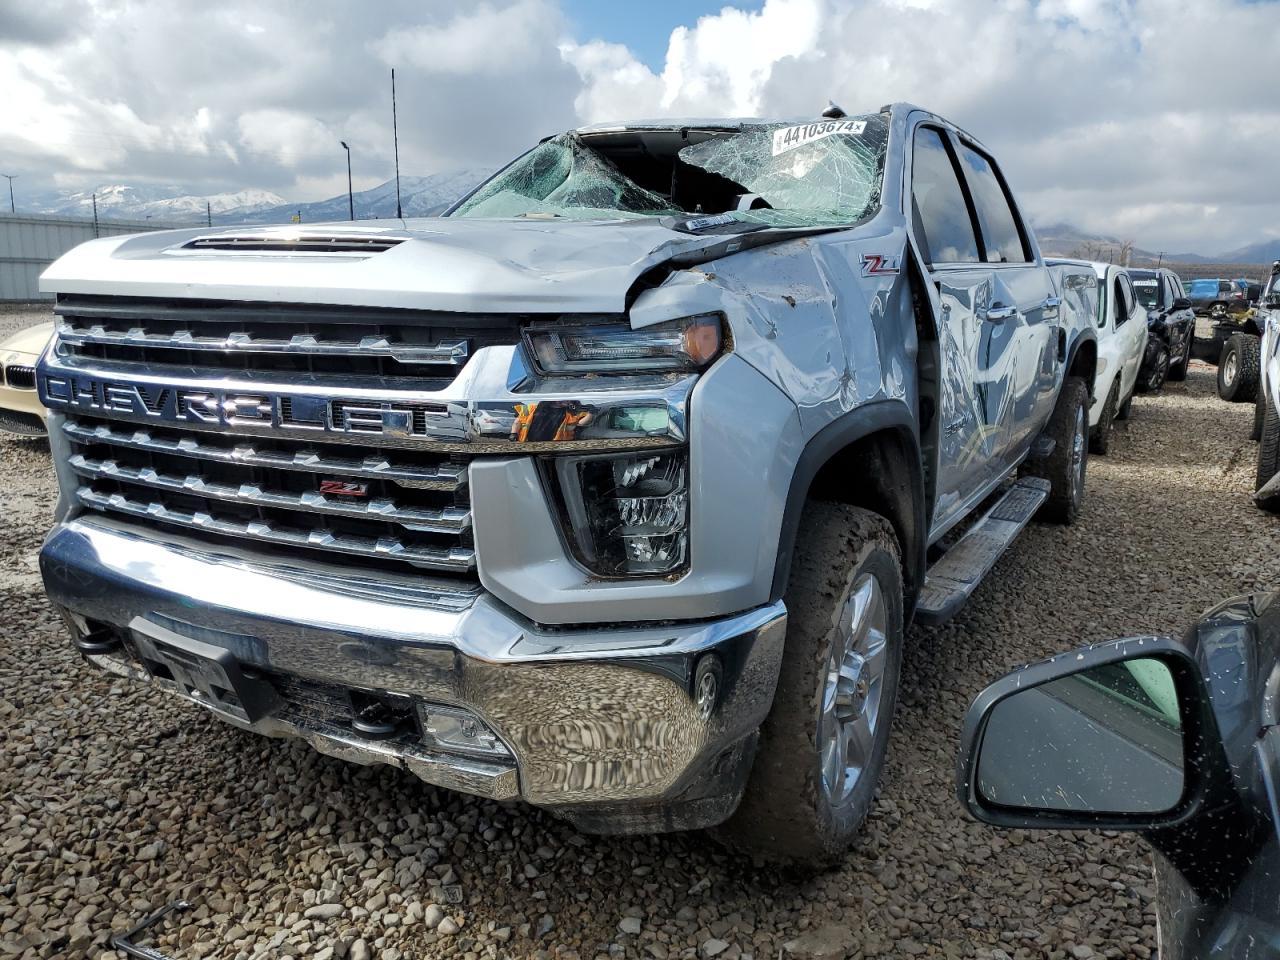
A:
466	265
32	340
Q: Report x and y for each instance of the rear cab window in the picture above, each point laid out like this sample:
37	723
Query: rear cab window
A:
1002	235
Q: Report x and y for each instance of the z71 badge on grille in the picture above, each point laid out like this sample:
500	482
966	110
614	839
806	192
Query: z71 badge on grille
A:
344	488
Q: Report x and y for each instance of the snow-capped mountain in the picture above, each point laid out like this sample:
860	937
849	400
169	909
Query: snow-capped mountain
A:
419	197
167	204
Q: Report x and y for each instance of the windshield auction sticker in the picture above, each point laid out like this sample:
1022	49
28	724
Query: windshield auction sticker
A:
788	138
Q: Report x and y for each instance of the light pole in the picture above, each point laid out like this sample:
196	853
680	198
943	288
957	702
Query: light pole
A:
351	201
11	177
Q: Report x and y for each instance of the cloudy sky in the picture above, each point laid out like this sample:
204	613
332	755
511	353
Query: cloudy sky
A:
1156	120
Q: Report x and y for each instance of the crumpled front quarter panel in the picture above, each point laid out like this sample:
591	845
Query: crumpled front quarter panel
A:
802	314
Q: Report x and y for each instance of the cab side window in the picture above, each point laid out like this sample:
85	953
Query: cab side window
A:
1001	234
1122	291
939	208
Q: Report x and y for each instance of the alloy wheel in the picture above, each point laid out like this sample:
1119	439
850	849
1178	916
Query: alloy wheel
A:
1078	443
853	690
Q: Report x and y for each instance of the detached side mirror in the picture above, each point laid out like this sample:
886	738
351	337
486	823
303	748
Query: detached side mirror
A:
1118	736
1181	303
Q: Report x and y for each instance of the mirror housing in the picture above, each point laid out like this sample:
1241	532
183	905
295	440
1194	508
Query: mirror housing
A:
1201	758
1181	303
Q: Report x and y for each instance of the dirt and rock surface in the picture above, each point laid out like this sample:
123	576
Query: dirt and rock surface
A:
119	800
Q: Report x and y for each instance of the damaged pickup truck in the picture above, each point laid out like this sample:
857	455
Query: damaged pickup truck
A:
614	489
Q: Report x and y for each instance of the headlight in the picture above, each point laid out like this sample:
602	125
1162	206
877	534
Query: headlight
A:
574	348
627	515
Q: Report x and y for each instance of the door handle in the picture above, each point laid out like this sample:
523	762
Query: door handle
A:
1050	305
998	313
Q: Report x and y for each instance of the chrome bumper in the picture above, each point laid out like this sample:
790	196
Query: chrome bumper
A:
603	725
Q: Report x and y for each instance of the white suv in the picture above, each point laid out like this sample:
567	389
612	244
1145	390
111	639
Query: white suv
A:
1122	343
1267	427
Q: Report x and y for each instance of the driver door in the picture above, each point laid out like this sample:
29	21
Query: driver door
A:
990	370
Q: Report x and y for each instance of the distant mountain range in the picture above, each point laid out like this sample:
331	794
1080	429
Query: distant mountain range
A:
165	204
427	196
420	197
1064	240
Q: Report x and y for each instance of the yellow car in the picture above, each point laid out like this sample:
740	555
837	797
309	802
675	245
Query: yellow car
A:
20	409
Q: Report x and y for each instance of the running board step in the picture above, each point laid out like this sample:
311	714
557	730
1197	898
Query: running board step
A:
952	580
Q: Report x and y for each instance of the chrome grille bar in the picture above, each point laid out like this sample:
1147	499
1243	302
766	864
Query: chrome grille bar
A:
455	558
444	476
453	352
422	520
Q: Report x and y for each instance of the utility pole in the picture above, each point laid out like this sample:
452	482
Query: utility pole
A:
95	215
1160	260
395	137
208	213
13	176
351	201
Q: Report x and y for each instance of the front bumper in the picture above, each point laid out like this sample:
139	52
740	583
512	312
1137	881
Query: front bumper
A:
602	725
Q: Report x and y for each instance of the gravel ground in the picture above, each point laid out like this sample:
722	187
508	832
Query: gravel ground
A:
120	800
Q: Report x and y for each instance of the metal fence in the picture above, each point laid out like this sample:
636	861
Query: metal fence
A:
28	244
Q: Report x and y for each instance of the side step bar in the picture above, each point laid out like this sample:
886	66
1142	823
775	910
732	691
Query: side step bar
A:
952	580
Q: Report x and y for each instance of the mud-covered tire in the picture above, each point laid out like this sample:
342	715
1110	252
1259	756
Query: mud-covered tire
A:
1239	368
1178	368
1100	436
1259	415
1268	455
1066	467
786	814
1125	410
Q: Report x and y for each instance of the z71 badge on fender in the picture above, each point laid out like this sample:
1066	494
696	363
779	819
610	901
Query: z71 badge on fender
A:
880	265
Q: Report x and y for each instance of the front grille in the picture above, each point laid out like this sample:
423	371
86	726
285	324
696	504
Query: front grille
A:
284	495
410	508
20	377
329	344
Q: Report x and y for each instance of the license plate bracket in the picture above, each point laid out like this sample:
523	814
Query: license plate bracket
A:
200	671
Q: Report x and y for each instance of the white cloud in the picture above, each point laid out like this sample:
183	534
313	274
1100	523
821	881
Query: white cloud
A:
284	136
483	40
1116	115
718	66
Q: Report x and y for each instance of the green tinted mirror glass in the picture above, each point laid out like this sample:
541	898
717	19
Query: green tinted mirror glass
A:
1105	740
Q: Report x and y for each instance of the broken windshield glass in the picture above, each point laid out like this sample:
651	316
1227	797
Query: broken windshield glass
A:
815	174
823	173
563	177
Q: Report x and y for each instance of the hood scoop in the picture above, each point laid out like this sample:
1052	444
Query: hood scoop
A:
292	243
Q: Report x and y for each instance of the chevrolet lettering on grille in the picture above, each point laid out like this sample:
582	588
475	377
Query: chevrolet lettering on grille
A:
175	404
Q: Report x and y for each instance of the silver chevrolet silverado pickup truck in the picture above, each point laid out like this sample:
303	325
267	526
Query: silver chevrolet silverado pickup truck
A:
614	489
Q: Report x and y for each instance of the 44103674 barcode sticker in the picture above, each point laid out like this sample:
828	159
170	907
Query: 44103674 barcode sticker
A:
788	138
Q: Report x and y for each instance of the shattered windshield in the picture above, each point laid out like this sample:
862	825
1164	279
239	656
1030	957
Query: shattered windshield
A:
563	177
824	173
815	174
